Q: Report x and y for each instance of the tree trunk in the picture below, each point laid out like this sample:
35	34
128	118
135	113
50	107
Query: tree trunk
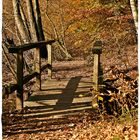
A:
32	23
19	21
134	12
60	39
43	50
62	24
25	21
38	20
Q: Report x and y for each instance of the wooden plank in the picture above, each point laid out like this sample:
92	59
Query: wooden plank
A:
9	89
25	47
97	50
58	94
27	78
95	79
49	61
19	94
95	72
44	67
38	67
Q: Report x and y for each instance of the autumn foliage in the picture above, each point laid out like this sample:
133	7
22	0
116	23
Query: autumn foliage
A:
77	24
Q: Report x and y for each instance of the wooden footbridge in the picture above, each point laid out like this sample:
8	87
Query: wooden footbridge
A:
54	94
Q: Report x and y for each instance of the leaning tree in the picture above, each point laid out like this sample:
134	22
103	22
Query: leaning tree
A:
30	30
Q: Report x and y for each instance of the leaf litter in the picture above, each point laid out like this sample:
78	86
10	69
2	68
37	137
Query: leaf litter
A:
88	124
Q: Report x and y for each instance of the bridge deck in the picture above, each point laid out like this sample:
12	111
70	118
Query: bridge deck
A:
61	96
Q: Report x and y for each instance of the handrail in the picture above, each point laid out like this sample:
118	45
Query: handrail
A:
28	46
9	89
21	80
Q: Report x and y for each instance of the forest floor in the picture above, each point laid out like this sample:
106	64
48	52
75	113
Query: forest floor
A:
87	124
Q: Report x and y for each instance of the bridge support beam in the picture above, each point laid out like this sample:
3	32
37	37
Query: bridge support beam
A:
97	50
19	94
49	61
21	79
38	67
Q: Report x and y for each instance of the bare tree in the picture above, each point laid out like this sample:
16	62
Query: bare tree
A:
60	37
134	9
19	21
35	23
32	23
40	33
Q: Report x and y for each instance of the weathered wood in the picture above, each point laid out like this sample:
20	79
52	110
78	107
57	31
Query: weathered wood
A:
28	46
9	89
44	67
95	72
27	78
64	94
38	67
97	50
95	79
22	80
19	96
49	61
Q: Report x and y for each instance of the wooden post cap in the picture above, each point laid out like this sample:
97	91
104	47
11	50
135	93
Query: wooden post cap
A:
97	47
98	43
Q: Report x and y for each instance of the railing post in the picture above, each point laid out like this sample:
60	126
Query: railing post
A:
19	94
97	50
49	61
38	67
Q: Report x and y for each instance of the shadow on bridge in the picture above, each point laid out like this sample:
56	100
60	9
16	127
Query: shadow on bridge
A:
62	97
67	96
53	108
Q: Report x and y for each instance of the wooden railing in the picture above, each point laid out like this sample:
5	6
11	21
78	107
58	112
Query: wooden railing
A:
97	70
21	80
